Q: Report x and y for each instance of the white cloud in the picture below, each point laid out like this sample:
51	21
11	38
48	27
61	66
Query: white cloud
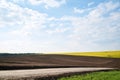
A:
36	2
17	1
48	3
96	19
96	30
91	3
57	30
82	11
76	10
111	5
103	8
18	24
21	25
27	30
25	19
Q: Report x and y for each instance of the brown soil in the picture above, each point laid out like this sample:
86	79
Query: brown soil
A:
34	61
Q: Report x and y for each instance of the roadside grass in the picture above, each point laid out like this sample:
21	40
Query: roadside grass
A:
109	75
109	54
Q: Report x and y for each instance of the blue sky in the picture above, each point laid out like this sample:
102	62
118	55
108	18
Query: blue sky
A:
59	25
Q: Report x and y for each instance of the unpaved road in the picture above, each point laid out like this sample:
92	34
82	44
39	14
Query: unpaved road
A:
33	73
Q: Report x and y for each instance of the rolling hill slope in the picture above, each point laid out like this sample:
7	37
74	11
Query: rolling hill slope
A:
109	54
30	61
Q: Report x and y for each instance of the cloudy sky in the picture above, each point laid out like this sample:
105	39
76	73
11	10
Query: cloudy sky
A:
59	25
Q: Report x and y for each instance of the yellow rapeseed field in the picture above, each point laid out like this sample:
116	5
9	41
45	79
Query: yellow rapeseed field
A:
110	54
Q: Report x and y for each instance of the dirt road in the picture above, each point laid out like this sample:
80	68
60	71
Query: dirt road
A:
38	73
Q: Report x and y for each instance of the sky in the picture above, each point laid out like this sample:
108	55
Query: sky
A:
59	25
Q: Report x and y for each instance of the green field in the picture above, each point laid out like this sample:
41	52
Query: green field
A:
110	75
110	54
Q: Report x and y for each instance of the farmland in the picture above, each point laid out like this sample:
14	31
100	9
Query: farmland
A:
109	54
35	61
32	66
